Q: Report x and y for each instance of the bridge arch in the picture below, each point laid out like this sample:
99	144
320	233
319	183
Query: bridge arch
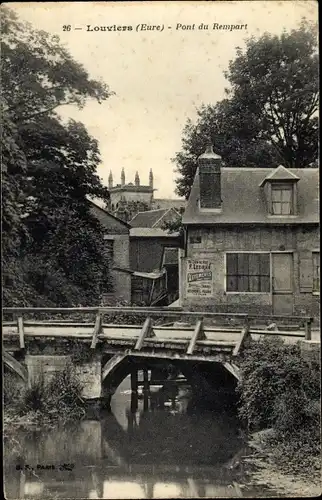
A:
15	366
208	381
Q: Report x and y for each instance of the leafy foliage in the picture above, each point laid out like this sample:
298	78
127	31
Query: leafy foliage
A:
175	226
269	116
281	389
53	247
128	209
38	73
57	400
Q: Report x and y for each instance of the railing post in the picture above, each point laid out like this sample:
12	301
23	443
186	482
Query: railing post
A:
308	329
245	334
198	334
21	332
146	332
97	329
247	323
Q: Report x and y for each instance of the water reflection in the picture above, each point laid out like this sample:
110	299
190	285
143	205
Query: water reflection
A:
160	453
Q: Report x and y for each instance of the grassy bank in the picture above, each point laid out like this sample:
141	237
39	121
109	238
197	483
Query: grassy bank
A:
42	404
280	391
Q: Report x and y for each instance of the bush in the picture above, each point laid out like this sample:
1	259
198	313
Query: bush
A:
58	400
12	389
35	396
281	389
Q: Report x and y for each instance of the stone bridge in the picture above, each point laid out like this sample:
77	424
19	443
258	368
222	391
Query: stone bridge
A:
107	344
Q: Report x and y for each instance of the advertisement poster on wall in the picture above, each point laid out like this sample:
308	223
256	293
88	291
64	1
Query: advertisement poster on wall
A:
199	278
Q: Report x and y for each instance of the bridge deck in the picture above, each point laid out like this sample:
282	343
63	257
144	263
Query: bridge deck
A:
223	333
166	341
203	337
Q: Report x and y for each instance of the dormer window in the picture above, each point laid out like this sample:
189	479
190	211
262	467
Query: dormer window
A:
282	199
280	188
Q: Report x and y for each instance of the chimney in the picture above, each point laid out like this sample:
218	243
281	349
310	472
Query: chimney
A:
110	180
137	179
210	179
122	177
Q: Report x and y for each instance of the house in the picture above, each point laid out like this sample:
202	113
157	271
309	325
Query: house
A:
146	247
150	245
136	285
251	240
117	243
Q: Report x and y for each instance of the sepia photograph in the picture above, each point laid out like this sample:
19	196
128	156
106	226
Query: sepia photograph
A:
160	249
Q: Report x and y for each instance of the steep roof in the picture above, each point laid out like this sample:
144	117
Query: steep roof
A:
243	200
105	216
147	218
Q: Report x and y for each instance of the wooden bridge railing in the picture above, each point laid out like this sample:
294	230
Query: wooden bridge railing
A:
245	320
152	311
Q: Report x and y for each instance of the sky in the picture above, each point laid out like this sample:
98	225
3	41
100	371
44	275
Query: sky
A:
160	77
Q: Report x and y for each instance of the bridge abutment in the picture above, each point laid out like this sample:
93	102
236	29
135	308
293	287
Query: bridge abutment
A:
89	372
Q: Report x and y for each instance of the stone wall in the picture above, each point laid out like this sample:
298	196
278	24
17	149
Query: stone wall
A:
118	233
311	350
212	244
121	280
45	367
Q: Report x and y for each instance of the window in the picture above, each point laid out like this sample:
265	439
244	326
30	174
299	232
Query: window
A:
316	272
248	272
282	199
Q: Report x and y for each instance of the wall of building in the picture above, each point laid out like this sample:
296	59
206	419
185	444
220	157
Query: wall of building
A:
118	233
146	253
121	280
212	248
129	195
110	223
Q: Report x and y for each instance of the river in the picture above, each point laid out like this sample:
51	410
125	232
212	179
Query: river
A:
160	452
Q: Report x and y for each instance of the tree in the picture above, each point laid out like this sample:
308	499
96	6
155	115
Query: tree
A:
56	250
13	169
128	209
269	114
39	74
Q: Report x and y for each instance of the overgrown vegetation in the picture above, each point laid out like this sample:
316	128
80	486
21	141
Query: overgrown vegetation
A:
58	400
281	390
53	247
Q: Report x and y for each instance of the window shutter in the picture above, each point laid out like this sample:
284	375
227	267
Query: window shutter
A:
306	271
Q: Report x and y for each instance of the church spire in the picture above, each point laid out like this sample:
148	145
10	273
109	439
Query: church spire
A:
151	178
122	177
137	179
110	180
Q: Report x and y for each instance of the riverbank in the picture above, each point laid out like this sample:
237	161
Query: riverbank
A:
262	469
43	405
